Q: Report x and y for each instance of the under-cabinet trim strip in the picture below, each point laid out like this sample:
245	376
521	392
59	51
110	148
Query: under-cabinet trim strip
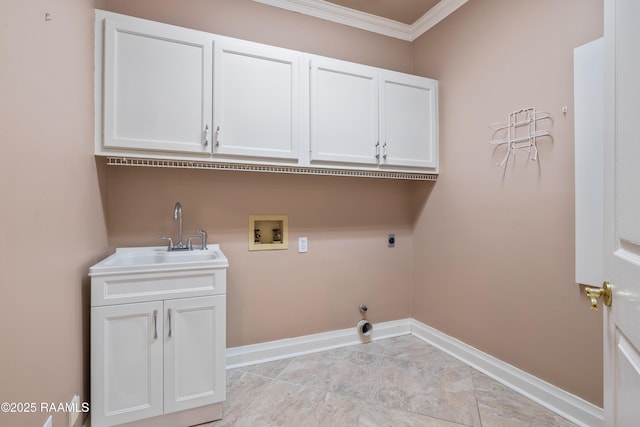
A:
194	164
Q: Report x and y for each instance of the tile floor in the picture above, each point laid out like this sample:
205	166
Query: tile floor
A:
399	381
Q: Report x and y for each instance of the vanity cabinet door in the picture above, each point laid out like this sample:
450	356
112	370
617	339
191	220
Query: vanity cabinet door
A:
408	120
194	353
344	112
257	101
157	90
126	363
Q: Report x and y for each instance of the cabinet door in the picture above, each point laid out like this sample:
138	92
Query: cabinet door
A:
344	112
157	87
409	120
195	341
126	363
257	100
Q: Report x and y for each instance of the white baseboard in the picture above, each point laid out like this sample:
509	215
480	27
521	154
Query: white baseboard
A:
565	404
291	347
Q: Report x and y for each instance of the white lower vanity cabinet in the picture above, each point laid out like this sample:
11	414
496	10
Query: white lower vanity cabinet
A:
157	349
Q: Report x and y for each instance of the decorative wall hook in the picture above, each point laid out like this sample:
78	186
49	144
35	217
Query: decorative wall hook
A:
521	132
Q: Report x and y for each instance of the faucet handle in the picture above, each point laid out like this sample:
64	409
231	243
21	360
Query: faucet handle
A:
170	247
189	244
203	238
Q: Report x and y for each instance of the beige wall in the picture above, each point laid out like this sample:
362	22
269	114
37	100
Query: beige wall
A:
499	242
494	246
280	294
52	222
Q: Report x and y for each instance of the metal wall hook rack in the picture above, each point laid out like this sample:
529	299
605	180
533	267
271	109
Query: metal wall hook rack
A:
521	132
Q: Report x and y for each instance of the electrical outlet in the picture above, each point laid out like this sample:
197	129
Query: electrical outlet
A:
302	245
391	240
75	408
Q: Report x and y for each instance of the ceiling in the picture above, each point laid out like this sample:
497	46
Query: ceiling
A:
403	19
405	11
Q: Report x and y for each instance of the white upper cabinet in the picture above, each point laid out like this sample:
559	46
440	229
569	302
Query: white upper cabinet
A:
171	93
257	100
157	91
372	117
408	120
344	112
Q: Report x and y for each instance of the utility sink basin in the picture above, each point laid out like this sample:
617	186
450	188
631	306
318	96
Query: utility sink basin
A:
130	260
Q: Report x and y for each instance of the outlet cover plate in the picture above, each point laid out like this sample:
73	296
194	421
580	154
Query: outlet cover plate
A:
302	245
391	240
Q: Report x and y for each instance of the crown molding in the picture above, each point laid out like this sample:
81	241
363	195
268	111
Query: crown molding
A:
436	14
343	15
365	21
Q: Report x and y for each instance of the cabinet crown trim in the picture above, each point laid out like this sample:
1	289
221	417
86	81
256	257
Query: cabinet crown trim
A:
192	164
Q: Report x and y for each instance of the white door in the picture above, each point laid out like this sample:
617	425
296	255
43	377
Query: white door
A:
157	86
195	342
622	214
126	363
344	112
408	120
257	100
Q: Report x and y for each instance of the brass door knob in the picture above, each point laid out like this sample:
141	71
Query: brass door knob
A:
594	293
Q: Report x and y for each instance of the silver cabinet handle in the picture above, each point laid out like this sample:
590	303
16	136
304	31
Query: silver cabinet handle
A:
206	135
170	331
218	136
378	150
384	151
155	324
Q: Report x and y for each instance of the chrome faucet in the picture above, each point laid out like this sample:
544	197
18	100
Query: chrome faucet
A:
177	216
180	245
